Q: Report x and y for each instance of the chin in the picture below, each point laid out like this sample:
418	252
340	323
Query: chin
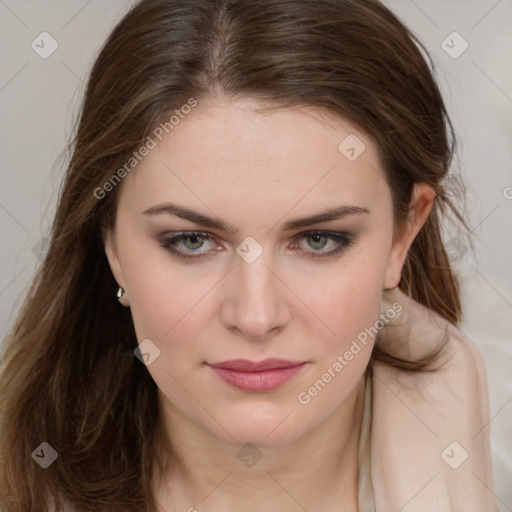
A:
261	426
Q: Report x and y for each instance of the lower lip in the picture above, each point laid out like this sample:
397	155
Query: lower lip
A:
257	381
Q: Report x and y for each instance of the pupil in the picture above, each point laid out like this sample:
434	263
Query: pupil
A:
316	238
194	239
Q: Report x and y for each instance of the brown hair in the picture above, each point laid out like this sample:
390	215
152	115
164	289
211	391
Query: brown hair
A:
69	375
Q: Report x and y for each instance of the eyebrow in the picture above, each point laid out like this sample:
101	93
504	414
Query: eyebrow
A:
203	220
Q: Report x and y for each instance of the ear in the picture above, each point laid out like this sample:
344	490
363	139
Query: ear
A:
420	206
114	263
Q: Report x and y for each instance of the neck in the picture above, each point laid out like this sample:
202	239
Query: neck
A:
316	471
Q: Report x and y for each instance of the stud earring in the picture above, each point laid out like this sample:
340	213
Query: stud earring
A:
122	297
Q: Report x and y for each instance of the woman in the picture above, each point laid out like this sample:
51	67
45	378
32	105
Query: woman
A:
246	303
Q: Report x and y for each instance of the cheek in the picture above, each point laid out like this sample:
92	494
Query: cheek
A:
349	300
163	299
170	311
351	307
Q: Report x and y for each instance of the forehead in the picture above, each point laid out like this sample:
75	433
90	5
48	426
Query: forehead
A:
222	153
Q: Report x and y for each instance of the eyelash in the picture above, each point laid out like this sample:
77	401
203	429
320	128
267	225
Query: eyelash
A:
344	240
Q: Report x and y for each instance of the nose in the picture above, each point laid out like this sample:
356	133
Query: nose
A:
256	301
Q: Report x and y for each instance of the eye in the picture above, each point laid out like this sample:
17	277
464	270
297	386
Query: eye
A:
193	244
192	241
319	240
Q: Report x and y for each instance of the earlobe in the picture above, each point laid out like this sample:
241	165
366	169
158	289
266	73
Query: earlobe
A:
421	204
122	297
115	267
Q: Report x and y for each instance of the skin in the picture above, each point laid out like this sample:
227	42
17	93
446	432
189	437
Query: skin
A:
256	171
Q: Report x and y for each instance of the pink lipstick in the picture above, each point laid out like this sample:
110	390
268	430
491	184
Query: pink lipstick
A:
259	376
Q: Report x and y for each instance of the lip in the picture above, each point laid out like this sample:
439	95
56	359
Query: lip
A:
256	376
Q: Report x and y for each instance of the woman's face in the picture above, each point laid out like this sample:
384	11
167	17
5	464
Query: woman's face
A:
254	281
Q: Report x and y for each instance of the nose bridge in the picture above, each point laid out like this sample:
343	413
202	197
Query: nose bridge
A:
255	279
256	305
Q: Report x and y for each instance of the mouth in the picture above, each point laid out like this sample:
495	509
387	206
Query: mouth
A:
255	376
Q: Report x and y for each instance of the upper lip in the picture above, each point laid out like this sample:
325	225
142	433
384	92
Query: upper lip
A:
244	365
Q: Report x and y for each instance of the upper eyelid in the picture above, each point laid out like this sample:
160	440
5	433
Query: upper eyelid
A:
210	236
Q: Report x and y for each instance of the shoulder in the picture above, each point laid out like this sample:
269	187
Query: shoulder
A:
457	390
432	427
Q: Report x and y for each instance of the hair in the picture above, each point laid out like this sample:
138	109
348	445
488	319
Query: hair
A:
69	375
